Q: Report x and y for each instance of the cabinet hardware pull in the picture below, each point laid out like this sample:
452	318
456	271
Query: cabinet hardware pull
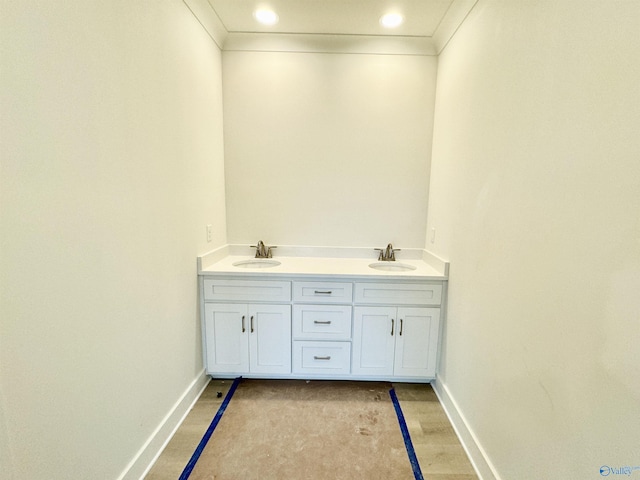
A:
322	292
251	323
328	357
400	327
392	321
322	322
243	329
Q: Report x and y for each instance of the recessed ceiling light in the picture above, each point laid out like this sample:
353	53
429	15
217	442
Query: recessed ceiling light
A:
266	17
391	20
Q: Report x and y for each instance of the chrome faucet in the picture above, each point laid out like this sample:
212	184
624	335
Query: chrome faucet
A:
262	251
387	254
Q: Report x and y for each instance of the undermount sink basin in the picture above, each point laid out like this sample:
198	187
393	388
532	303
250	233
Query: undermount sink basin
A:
392	266
257	263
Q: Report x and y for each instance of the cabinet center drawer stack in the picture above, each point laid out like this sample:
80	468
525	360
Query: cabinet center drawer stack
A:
320	328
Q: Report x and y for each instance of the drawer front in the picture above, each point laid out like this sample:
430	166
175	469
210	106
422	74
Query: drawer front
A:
322	322
398	293
322	292
247	290
322	358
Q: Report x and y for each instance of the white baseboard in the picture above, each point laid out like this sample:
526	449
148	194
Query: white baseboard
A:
152	448
478	457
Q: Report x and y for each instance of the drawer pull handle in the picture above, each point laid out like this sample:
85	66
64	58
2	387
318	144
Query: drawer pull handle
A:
392	322
243	329
251	323
322	292
400	327
316	357
322	322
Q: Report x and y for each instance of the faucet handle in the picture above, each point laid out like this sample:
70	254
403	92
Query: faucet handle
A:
387	254
260	250
269	254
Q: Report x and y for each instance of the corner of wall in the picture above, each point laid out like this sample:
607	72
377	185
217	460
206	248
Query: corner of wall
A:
155	444
478	457
209	20
449	25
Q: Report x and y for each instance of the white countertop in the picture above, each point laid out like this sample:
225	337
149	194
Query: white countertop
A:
323	261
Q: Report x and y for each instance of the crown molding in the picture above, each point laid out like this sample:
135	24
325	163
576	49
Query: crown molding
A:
208	18
330	43
306	43
456	14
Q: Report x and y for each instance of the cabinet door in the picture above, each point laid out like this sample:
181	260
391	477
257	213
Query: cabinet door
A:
416	342
269	329
374	331
226	338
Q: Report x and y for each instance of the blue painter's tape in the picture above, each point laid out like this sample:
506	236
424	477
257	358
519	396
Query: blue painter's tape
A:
207	435
417	473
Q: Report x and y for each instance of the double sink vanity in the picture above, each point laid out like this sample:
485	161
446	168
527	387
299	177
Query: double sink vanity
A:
321	313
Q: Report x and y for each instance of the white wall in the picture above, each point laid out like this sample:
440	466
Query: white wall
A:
535	197
112	165
327	149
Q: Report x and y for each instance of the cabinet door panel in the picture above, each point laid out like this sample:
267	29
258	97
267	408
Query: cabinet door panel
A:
270	338
226	343
373	340
416	343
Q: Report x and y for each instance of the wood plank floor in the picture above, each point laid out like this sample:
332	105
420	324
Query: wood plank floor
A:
437	447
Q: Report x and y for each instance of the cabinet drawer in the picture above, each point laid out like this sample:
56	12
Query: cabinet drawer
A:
398	293
322	292
322	322
322	358
247	290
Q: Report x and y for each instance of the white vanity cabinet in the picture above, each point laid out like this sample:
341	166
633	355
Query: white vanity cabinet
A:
354	327
241	338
